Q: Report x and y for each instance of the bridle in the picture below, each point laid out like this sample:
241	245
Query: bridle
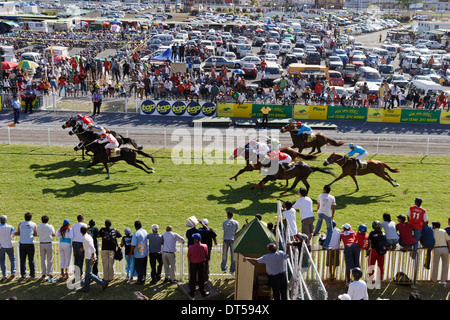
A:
336	161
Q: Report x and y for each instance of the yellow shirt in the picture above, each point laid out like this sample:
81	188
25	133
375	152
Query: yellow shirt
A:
440	237
265	110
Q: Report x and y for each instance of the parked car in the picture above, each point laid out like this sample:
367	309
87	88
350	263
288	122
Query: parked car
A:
247	59
220	61
358	61
312	58
288	59
350	72
334	62
250	70
434	45
399	79
336	78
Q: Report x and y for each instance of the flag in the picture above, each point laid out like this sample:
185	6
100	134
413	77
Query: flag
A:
51	48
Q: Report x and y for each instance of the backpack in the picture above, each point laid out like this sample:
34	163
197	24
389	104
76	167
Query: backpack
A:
382	244
110	235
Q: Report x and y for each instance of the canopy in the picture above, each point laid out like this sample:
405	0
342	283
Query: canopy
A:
105	23
9	65
164	56
253	238
115	21
239	71
25	64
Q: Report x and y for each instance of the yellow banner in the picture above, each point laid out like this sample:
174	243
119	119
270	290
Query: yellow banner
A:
374	115
243	110
301	112
318	112
445	117
225	110
392	115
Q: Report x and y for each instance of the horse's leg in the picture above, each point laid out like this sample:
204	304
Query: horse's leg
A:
94	162
297	180
105	163
338	178
356	182
140	167
241	172
262	183
143	163
385	176
305	182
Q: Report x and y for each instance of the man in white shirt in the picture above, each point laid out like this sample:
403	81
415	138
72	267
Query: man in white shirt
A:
77	244
289	218
90	258
357	289
326	204
45	233
304	205
168	250
334	254
6	246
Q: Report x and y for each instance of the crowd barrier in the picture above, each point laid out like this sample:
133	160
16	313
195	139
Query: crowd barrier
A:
316	112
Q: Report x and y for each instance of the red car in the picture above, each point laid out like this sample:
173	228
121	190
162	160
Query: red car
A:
336	78
358	61
250	70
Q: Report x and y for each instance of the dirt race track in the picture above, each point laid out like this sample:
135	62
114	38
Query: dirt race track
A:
44	127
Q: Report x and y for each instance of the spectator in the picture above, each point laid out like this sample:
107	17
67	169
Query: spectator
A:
326	204
351	250
189	232
265	116
168	250
357	289
93	232
129	259
65	235
440	252
406	239
229	228
46	232
376	254
390	230
27	232
305	206
275	262
334	253
155	243
416	218
17	108
97	101
208	237
90	257
77	244
197	254
6	247
139	248
362	238
289	219
427	241
109	244
447	229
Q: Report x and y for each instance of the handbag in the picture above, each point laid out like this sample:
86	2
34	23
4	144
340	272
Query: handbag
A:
118	254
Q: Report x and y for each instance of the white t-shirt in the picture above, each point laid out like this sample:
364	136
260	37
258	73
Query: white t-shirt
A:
357	290
77	236
45	232
326	200
289	215
305	206
335	239
389	230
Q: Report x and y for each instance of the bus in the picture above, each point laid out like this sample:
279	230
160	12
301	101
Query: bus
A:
308	70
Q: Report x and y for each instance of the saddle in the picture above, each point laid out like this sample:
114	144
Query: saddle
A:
363	164
311	137
114	152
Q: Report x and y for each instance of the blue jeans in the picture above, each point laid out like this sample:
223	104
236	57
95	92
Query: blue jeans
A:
12	260
16	115
78	255
90	276
61	87
228	246
329	228
417	233
130	266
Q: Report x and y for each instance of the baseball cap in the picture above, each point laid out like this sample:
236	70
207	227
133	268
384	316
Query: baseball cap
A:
344	296
205	222
66	222
347	226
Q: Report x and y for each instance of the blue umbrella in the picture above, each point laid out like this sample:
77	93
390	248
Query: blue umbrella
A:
239	71
116	22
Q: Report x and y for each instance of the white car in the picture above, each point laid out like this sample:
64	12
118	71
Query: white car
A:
270	57
298	52
434	45
230	56
247	59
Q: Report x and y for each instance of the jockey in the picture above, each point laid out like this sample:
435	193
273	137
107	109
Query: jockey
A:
362	153
260	148
85	120
98	129
112	142
274	144
283	158
304	129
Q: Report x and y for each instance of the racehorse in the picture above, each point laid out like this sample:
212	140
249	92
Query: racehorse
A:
78	129
300	172
244	152
348	166
317	143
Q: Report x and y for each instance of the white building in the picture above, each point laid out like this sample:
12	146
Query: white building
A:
425	26
7	8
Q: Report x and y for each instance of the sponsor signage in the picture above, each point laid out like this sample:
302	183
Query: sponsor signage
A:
178	108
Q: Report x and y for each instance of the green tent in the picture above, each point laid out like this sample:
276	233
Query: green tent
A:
253	238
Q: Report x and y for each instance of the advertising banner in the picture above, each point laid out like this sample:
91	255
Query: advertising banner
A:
318	112
391	115
445	117
276	112
374	115
178	108
301	112
341	113
420	116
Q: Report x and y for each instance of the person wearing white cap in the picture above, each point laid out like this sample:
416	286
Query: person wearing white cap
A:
208	237
6	246
351	250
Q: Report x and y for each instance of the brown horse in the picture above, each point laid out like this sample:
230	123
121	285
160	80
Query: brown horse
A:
317	143
348	166
300	172
244	152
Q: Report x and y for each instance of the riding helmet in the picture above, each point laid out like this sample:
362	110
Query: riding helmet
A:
376	224
362	228
351	145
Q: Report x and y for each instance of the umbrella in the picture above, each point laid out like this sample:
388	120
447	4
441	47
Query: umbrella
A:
289	30
105	23
115	21
9	65
25	64
259	30
57	58
239	71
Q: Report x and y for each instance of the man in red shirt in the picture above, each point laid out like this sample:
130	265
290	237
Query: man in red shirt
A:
416	218
318	89
404	229
197	254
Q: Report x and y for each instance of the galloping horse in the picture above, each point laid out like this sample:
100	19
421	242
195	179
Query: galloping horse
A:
348	166
300	172
318	142
244	151
77	129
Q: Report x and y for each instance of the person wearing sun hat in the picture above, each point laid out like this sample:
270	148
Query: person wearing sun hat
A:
351	250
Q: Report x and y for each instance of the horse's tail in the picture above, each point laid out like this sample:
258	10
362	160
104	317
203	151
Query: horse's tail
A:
334	142
327	171
130	141
305	156
390	169
142	153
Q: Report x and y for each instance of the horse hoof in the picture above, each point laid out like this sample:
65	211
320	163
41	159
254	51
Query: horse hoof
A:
396	185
